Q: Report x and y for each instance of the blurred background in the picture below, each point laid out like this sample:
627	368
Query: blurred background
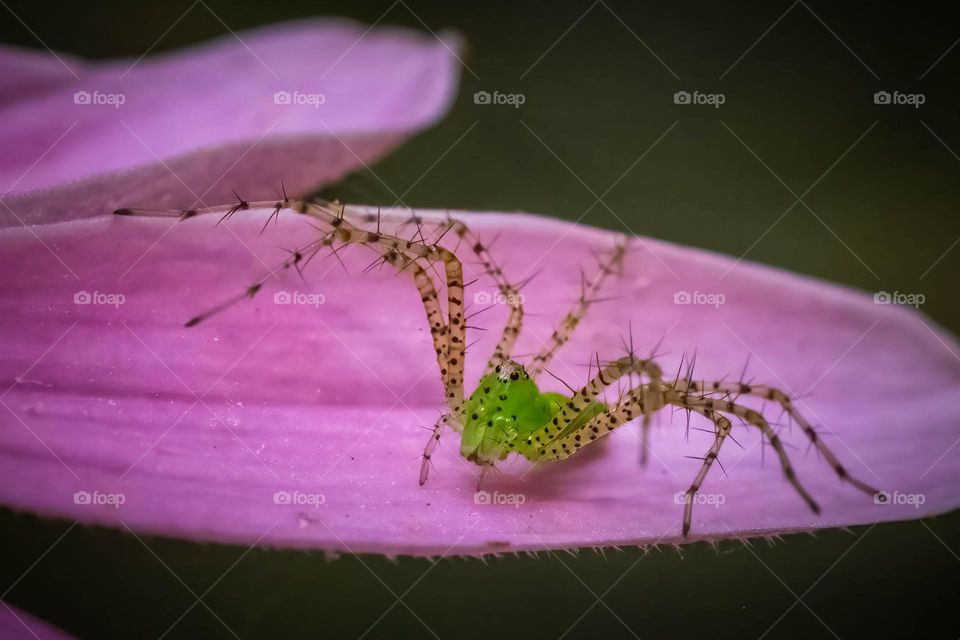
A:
802	166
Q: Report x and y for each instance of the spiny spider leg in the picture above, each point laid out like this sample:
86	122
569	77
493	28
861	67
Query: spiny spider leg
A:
784	400
569	323
755	419
558	428
510	292
637	401
431	445
402	254
722	428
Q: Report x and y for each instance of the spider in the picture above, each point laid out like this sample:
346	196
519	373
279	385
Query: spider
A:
507	413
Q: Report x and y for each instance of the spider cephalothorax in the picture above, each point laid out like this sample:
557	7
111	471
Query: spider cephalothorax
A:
507	413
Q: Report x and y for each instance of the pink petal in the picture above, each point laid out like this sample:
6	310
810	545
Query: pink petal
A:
197	123
16	625
327	400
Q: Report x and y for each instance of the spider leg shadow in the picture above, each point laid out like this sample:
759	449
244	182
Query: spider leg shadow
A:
545	480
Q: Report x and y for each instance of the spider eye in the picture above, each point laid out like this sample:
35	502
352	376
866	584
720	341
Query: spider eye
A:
514	376
497	369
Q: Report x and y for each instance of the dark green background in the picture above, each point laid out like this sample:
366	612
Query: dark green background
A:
599	99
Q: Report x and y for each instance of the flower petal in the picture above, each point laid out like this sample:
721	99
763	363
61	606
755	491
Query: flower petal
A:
303	103
16	624
297	424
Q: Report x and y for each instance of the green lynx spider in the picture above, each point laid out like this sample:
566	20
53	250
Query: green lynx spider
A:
507	413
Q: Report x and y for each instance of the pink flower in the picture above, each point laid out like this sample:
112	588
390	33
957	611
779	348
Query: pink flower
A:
17	625
292	419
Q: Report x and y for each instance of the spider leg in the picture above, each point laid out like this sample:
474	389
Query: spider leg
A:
636	403
490	267
448	338
751	417
722	428
588	292
565	421
784	400
442	421
462	232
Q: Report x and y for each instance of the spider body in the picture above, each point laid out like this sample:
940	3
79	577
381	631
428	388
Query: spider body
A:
507	413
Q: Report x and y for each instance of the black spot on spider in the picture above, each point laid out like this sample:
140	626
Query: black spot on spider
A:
577	438
514	376
474	416
745	388
486	390
489	423
497	369
503	397
499	409
555	421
